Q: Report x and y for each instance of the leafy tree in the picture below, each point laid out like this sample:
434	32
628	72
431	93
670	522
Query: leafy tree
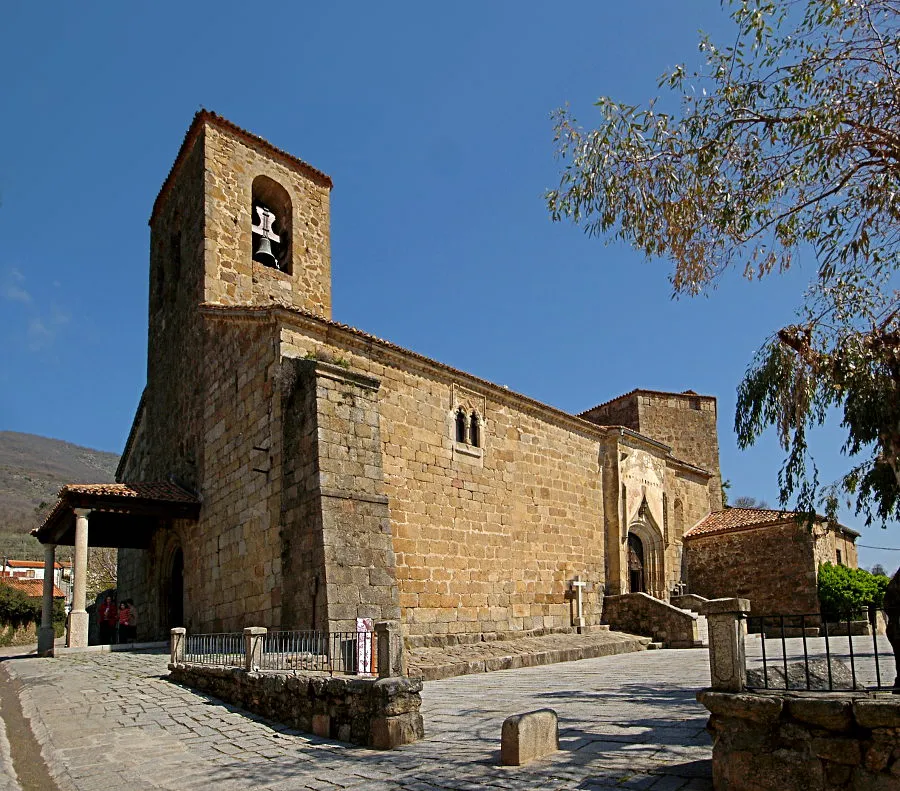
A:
749	502
878	569
786	146
844	592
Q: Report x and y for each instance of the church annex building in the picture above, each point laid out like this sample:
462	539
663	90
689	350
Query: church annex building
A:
285	470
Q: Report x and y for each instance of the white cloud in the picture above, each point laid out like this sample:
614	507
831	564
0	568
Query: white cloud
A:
14	287
39	334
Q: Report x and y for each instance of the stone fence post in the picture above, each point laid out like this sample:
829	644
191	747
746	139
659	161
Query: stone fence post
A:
253	646
727	652
391	659
177	639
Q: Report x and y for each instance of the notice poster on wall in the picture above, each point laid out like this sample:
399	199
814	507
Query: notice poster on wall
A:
365	635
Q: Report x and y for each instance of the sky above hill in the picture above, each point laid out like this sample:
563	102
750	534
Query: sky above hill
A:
434	122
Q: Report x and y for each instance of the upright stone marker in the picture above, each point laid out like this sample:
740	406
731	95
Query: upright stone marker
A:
727	655
526	737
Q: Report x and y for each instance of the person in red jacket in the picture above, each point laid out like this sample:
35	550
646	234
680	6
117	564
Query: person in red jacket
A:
109	618
124	623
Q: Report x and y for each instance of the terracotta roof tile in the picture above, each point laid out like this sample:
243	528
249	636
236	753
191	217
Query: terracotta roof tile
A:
157	490
31	587
731	519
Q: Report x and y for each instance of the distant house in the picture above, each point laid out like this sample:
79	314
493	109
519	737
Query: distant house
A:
766	556
33	571
30	587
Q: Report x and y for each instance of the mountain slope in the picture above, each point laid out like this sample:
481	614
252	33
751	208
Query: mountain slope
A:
32	470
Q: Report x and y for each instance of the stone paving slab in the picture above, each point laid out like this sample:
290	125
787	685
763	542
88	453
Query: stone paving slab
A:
113	721
433	664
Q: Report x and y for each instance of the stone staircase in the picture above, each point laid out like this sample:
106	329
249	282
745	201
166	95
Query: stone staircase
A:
434	663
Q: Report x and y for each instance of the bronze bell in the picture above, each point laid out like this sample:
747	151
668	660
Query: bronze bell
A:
264	252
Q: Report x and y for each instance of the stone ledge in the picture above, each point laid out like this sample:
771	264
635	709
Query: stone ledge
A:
433	664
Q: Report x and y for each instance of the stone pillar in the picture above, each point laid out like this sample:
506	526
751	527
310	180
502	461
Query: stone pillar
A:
45	635
253	647
391	657
727	631
177	639
78	617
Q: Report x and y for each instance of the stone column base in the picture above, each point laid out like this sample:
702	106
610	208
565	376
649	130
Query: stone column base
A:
46	638
78	629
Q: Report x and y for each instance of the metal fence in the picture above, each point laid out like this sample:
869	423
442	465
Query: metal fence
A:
814	653
330	652
353	653
222	650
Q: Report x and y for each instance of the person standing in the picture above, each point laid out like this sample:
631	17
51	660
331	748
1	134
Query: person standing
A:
108	617
124	622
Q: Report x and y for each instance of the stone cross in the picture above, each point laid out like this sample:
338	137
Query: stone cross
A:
577	584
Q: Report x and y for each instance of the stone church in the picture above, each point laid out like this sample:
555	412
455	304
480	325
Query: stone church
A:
287	470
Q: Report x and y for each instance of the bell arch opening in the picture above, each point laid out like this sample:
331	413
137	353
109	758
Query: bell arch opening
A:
271	224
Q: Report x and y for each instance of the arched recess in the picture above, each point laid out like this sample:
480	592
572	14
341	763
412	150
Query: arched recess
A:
648	533
272	224
171	584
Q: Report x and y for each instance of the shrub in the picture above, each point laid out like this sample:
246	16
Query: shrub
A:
16	608
844	592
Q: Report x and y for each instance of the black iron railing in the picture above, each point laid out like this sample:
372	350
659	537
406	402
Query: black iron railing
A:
331	652
813	652
221	650
285	651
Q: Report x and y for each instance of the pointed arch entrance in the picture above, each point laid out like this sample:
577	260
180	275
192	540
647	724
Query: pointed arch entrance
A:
646	557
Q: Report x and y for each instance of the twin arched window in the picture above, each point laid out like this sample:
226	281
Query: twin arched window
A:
468	428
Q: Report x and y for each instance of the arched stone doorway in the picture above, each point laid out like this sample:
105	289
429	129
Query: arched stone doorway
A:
636	583
646	558
176	589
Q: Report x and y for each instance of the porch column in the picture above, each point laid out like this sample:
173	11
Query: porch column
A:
78	618
45	635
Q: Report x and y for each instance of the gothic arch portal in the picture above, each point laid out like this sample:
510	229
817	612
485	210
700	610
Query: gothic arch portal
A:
651	555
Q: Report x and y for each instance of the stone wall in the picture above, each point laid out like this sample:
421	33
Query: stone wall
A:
829	540
486	539
772	566
807	742
381	713
639	613
337	551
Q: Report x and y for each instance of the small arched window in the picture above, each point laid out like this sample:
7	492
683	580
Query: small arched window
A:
474	431
460	425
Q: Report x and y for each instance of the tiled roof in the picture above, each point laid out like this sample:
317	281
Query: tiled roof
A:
731	519
155	490
641	391
35	564
30	587
207	116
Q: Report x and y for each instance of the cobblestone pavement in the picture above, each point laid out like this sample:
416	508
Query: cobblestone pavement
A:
112	721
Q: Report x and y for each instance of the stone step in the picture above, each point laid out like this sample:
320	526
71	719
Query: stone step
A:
460	660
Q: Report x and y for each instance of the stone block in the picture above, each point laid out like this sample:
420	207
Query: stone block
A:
833	714
385	733
321	725
759	708
527	737
877	713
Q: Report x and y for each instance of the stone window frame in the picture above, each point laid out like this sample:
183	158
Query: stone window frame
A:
467	408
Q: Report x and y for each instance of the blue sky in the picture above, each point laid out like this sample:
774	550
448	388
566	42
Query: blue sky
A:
433	121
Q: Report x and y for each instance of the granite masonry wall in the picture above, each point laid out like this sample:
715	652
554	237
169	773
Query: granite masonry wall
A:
797	742
382	713
717	568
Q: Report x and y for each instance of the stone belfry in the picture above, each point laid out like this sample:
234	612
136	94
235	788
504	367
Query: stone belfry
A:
237	222
240	222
